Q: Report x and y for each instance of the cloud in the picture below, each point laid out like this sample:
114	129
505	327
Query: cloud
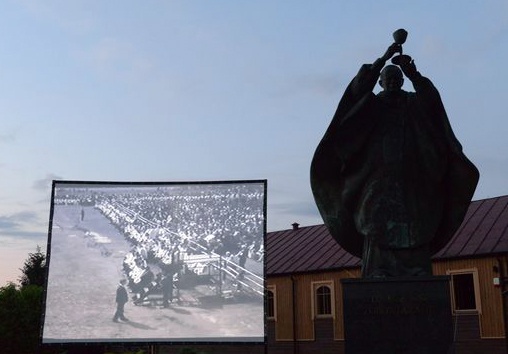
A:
73	16
301	208
19	231
7	138
45	183
321	84
493	172
282	215
16	219
27	235
114	57
108	52
433	46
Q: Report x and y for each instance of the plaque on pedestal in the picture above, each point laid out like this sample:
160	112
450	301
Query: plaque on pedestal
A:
397	315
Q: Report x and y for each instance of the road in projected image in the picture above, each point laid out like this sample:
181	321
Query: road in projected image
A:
191	258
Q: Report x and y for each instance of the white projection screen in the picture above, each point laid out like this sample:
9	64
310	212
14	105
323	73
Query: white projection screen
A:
156	262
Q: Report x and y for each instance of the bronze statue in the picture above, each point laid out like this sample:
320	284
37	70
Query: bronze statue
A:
389	176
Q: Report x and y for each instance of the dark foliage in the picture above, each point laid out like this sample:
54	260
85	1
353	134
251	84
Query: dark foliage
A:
34	270
20	311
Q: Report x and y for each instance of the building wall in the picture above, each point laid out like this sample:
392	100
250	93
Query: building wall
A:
489	315
483	328
297	292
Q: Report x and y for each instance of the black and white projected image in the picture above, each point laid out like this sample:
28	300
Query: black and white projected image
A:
154	262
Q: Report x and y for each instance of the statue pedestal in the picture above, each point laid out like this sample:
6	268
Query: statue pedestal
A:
397	315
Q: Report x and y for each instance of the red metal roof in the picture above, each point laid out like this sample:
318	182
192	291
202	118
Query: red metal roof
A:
312	248
483	231
306	249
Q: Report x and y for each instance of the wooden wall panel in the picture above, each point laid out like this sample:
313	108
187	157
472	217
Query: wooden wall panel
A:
491	315
305	330
284	307
304	310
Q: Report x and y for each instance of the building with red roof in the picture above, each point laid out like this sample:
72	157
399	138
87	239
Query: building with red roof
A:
304	266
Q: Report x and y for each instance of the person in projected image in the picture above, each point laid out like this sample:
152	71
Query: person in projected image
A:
121	299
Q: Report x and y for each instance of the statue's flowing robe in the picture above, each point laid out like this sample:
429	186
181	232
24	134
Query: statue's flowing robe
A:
391	169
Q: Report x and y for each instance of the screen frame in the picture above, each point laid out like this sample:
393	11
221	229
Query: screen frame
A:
262	340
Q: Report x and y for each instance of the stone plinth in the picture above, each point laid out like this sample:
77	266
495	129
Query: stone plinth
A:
397	315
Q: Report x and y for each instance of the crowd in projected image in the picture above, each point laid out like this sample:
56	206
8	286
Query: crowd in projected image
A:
156	262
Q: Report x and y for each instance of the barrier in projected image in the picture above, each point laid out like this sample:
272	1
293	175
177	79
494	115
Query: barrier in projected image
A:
155	262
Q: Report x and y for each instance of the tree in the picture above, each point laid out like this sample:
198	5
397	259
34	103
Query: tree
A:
20	314
21	308
34	270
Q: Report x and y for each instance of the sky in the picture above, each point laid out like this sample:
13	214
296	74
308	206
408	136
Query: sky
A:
199	90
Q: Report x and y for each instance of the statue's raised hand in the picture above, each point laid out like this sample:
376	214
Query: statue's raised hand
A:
409	69
392	49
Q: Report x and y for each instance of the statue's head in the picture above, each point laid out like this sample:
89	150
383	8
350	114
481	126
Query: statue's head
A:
391	78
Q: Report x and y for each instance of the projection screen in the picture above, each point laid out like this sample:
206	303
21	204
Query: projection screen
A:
156	262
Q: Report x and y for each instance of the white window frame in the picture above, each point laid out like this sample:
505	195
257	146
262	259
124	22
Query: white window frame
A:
273	289
476	285
314	287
